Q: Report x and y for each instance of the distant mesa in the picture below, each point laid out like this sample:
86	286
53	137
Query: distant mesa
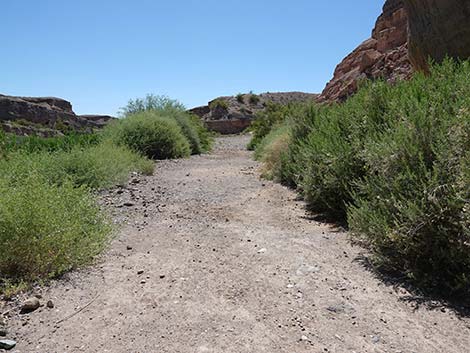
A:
233	114
45	116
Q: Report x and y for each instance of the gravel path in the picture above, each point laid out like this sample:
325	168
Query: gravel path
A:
213	259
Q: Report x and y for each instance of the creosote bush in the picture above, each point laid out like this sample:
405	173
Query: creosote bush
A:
47	229
394	162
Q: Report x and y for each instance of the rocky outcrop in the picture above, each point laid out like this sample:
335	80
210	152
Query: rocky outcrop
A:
45	116
232	115
384	55
438	28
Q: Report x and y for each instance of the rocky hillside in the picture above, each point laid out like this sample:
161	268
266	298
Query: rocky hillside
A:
44	116
385	55
232	115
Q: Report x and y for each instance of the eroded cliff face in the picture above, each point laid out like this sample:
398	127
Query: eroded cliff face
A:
438	28
44	116
384	55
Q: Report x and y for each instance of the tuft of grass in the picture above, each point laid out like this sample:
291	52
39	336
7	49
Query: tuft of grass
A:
272	152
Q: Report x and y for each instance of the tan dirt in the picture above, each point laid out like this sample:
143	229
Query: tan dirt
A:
231	263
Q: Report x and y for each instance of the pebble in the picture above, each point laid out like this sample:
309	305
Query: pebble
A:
3	332
50	304
30	305
261	251
7	344
129	247
140	272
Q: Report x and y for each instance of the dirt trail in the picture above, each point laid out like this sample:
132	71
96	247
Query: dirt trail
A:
230	263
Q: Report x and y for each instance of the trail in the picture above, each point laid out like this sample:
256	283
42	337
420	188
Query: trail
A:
231	264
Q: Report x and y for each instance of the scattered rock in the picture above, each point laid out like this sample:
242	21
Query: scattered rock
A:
307	269
129	247
162	276
140	272
50	304
128	204
3	332
7	344
262	251
341	308
30	305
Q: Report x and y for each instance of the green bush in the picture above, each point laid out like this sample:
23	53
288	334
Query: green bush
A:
149	133
46	229
97	167
163	107
254	99
219	103
151	102
394	162
240	98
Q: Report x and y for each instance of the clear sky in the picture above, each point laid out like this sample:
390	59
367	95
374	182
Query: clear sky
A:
100	53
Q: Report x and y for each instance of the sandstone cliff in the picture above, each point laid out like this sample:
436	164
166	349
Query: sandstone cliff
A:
45	116
438	28
384	55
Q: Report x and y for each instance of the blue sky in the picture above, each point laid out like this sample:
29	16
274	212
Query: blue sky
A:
100	53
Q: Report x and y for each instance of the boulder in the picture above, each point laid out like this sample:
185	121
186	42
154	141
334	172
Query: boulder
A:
384	55
438	28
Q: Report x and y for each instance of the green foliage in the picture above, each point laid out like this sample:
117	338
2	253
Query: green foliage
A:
151	103
162	107
272	152
49	220
151	134
240	98
32	144
394	161
47	229
271	117
218	103
97	167
254	99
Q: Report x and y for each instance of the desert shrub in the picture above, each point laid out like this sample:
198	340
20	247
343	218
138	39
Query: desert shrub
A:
265	120
254	99
149	133
46	229
271	152
149	103
163	107
97	167
32	144
218	103
394	161
240	98
413	206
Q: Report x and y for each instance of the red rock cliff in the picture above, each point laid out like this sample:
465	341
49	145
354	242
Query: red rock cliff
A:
385	55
